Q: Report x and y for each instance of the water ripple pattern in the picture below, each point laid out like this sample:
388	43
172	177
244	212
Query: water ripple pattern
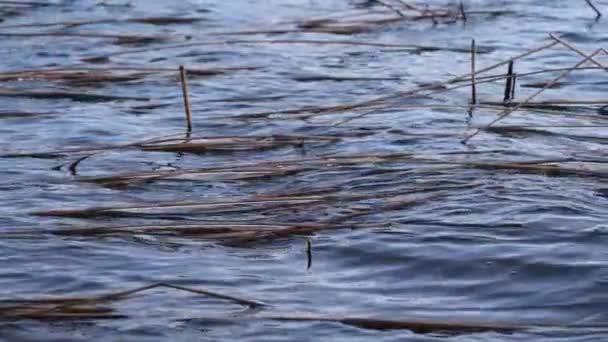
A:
325	191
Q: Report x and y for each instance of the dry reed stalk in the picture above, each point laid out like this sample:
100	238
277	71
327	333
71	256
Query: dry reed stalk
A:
184	81
396	95
92	76
509	83
391	7
420	325
473	73
189	145
513	86
82	97
542	126
73	76
463	14
556	102
308	254
396	46
87	307
437	89
396	202
531	73
139	20
578	51
27	3
374	109
120	38
508	111
409	6
205	205
238	232
242	172
214	230
597	11
416	326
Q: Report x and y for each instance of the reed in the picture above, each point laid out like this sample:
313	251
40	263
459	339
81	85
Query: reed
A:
509	86
397	95
85	308
139	20
388	47
184	82
120	39
508	111
598	14
473	73
463	14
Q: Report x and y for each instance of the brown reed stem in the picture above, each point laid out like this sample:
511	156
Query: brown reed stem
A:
597	12
509	82
409	6
578	51
391	7
121	295
380	99
473	74
184	80
513	83
508	111
308	254
463	14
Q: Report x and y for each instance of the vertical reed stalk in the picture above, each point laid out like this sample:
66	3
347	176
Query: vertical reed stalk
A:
509	83
508	111
513	87
463	14
473	74
184	80
308	254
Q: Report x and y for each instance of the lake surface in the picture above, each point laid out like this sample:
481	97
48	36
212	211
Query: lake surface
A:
415	228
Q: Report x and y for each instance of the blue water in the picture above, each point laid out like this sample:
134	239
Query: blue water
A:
498	247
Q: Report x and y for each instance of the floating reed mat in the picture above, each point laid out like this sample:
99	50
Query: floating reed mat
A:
273	204
190	145
415	325
118	39
385	47
83	76
105	307
160	21
74	96
243	171
196	145
386	13
555	105
442	327
419	164
241	232
479	76
96	307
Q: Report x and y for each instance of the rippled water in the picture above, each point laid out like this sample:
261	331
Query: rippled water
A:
491	246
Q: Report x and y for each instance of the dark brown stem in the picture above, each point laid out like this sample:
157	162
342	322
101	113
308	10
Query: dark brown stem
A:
308	254
509	83
473	74
597	12
514	77
462	12
392	8
182	75
508	111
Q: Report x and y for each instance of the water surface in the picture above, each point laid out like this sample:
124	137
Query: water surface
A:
478	245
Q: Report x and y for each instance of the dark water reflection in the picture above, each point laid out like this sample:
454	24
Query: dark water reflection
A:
490	246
